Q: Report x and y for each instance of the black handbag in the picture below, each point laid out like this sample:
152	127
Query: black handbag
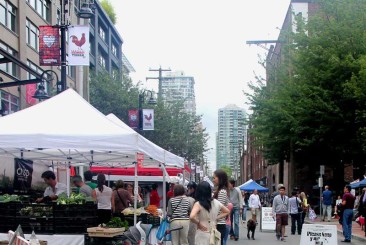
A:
299	208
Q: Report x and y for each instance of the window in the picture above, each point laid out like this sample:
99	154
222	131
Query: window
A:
101	60
102	33
8	14
9	103
9	67
114	50
32	34
42	7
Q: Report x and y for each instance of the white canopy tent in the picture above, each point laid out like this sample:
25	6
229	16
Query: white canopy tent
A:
67	128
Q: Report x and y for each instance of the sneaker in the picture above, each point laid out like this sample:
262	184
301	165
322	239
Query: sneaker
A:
283	239
278	237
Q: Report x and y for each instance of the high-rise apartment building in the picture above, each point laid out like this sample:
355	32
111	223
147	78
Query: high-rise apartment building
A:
176	86
230	137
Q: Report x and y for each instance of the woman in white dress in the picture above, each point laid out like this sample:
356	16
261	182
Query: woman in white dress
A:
205	213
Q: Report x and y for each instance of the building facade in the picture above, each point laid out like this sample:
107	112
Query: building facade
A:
176	86
230	137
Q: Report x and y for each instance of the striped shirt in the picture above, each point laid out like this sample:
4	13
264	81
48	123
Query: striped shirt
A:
224	200
179	207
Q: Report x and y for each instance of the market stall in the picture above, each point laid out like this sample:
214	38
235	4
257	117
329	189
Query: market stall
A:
67	129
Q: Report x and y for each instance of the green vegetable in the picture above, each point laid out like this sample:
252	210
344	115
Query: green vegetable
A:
116	222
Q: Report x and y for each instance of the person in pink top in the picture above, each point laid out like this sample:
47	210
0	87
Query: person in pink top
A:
228	223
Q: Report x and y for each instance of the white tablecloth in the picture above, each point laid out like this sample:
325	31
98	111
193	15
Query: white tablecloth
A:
54	239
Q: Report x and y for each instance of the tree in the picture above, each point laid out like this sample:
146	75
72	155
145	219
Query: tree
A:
227	170
108	8
317	106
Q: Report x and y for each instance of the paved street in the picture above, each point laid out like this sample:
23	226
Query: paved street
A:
266	238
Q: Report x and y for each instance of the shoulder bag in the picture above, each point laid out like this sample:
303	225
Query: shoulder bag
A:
299	208
215	235
163	230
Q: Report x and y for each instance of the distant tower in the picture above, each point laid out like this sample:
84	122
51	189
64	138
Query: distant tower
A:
230	137
177	86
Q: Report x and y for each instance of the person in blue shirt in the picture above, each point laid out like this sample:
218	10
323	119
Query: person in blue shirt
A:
327	199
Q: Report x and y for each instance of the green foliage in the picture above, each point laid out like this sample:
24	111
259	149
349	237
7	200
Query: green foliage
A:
315	105
108	8
227	169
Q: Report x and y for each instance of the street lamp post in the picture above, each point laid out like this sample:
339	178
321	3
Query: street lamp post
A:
151	101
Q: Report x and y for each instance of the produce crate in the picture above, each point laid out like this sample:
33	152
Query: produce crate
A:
104	232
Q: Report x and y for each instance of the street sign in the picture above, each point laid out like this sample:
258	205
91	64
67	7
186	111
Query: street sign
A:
318	234
320	183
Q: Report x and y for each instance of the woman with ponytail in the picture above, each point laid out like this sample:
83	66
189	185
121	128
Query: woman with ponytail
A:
103	196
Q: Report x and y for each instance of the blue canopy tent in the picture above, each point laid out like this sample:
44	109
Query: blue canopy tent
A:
359	184
251	186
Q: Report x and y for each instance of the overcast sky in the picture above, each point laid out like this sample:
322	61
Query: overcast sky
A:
204	38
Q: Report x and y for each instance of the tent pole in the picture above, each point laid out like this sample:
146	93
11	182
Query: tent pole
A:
164	190
68	179
135	193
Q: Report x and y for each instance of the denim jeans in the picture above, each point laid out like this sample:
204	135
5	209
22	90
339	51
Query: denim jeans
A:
228	227
244	214
347	223
234	215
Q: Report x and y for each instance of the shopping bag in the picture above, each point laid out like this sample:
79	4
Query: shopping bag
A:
312	215
215	237
163	229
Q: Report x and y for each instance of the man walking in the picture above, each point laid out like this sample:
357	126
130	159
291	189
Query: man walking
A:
280	209
348	201
254	205
237	201
327	203
296	217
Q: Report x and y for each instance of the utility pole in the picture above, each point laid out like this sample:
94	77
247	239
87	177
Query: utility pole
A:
159	78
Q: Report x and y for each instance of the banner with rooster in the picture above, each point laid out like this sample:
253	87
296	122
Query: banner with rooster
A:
148	119
78	45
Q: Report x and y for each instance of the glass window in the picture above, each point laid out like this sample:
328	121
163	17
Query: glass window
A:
102	33
9	103
114	50
42	7
9	67
8	15
32	34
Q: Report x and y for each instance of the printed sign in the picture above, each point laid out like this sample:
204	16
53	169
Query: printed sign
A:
22	174
133	118
140	159
318	234
78	45
267	220
49	46
148	119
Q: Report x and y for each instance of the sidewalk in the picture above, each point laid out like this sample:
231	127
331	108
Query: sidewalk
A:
357	233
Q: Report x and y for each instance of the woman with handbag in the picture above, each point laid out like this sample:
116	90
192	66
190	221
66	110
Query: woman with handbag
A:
120	199
305	206
205	213
179	208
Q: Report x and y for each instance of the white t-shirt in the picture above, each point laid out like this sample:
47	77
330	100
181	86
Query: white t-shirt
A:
59	188
104	199
254	201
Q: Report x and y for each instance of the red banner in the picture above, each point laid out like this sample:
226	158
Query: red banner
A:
49	46
30	89
133	118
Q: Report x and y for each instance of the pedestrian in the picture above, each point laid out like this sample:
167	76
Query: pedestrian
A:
305	206
154	196
255	205
103	196
191	195
348	202
338	202
228	223
245	206
121	199
206	212
237	201
327	203
280	209
296	216
179	208
220	180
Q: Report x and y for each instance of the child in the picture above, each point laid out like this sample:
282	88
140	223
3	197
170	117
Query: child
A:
228	224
